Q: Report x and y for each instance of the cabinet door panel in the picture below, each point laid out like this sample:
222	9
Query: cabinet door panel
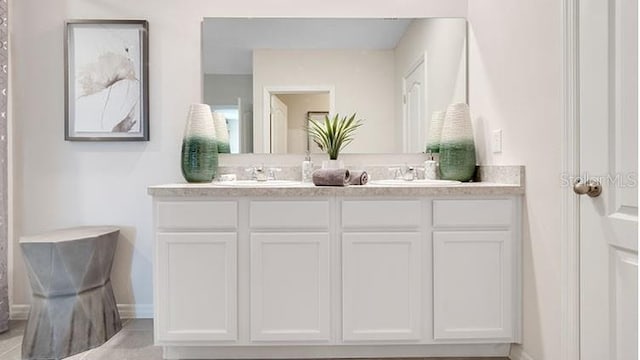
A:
381	286
472	284
290	287
197	287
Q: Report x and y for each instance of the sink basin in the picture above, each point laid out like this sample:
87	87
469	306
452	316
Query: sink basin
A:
255	183
420	182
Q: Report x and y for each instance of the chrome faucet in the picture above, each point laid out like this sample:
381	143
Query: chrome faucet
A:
260	173
409	173
396	173
272	173
257	173
406	173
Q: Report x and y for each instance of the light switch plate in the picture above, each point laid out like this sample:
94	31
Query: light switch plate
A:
496	141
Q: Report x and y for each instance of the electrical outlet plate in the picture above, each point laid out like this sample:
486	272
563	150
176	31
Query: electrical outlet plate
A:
496	141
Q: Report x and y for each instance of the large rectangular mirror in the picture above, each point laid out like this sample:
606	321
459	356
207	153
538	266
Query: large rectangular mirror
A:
268	76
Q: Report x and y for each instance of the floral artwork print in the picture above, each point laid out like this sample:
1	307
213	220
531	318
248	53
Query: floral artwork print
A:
106	80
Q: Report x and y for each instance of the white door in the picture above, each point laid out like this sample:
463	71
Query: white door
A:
414	110
381	286
472	284
208	312
609	154
290	286
279	126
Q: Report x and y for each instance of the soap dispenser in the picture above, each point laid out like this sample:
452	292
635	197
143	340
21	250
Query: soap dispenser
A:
307	168
430	167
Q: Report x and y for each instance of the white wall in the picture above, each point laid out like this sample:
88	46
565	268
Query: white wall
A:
222	89
441	43
363	82
515	69
297	107
58	183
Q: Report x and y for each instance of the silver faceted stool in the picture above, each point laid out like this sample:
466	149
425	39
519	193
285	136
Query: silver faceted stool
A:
73	307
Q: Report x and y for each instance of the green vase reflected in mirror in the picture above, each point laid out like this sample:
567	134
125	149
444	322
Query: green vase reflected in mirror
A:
435	132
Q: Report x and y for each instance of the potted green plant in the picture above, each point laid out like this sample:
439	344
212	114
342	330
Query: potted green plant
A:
333	134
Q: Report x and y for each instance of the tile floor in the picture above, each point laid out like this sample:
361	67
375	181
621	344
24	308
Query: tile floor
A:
133	342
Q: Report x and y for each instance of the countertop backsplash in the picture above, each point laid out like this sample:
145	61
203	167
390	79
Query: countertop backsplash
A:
376	165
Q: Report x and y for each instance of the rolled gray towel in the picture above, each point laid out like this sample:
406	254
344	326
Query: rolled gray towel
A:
331	177
359	177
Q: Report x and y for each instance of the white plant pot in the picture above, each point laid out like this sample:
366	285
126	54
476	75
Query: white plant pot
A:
333	164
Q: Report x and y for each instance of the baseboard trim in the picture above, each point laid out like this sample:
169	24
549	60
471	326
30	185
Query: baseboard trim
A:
19	312
127	311
517	353
136	311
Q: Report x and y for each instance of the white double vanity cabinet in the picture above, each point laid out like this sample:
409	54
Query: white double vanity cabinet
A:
370	271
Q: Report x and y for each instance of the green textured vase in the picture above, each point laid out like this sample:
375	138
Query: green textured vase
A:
457	148
223	147
199	160
457	160
433	148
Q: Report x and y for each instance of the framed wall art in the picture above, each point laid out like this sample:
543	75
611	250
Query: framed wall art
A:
106	80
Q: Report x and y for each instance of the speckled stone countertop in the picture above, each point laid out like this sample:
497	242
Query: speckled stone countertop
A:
490	181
